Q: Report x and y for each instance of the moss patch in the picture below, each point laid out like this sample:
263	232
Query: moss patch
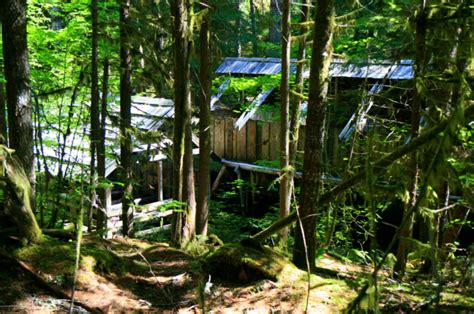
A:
58	257
240	263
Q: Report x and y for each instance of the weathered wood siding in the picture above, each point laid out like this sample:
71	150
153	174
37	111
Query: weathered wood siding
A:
257	140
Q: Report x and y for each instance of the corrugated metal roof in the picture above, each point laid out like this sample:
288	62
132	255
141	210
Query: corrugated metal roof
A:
148	114
254	66
400	70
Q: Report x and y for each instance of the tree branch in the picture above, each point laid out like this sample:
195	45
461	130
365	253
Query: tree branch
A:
378	167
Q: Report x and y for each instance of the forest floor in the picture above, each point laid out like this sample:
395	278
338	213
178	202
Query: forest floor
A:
124	275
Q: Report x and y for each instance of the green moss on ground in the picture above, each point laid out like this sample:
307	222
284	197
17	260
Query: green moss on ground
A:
240	263
58	257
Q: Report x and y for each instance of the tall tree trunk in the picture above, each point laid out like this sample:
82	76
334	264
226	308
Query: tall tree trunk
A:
253	23
3	114
183	222
202	211
94	112
17	74
274	31
296	100
285	179
238	28
419	68
102	212
126	120
313	156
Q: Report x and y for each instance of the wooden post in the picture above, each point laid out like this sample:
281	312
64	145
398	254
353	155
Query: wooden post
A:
215	185
159	181
108	210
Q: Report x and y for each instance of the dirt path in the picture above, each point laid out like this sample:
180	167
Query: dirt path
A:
129	275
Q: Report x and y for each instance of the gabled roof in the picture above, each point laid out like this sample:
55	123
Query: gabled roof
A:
394	70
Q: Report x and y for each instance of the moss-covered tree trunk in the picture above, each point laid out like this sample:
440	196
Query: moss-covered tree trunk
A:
101	215
413	168
21	172
126	120
94	112
202	211
3	112
17	74
286	178
314	142
183	223
18	194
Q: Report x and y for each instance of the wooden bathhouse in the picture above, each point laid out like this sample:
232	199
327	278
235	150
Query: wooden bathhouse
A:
252	134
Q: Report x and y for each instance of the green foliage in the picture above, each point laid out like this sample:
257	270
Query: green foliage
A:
227	226
377	30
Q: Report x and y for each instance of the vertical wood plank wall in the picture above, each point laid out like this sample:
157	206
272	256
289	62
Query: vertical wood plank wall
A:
257	140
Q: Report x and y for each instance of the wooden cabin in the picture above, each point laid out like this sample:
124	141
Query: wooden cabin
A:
252	135
152	125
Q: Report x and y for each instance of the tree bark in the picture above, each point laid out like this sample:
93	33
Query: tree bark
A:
202	211
286	177
102	212
413	169
274	31
3	114
314	143
296	100
18	196
238	28
253	22
94	113
125	120
183	223
17	74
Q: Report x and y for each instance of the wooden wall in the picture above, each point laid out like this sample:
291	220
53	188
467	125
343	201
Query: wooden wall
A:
257	140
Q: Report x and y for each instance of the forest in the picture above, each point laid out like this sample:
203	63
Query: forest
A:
247	156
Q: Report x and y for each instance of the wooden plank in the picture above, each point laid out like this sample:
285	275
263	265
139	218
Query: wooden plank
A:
229	138
242	144
258	140
221	173
151	230
234	142
267	170
274	141
213	131
251	141
219	137
265	141
159	180
116	210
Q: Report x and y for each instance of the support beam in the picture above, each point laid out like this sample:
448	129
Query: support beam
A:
159	166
